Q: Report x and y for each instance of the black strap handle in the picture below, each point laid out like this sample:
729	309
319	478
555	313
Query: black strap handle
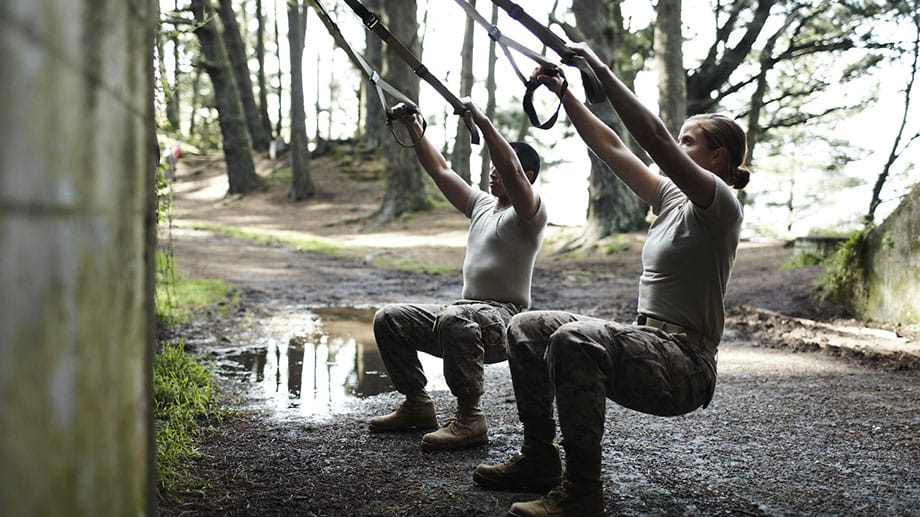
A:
531	87
594	91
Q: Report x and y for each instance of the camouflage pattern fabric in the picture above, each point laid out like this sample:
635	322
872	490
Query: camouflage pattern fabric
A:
466	334
583	361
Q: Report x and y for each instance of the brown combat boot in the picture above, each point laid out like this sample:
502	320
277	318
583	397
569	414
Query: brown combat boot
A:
410	415
538	472
569	499
467	429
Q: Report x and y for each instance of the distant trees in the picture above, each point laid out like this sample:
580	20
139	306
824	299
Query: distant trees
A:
236	141
769	63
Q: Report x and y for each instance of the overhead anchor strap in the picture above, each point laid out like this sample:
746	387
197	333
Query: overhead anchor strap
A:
506	43
379	84
594	91
373	23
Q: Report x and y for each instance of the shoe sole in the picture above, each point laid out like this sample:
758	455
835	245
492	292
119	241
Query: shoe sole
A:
534	485
513	513
402	428
427	446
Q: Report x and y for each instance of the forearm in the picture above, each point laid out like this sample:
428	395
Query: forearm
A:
500	151
600	137
428	155
644	125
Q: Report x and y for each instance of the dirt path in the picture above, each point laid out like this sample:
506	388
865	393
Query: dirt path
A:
787	433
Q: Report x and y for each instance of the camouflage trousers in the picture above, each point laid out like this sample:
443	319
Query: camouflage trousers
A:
466	334
583	361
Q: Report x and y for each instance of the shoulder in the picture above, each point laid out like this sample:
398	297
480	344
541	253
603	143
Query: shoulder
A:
478	202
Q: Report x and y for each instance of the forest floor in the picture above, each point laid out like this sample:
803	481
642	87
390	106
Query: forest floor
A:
814	413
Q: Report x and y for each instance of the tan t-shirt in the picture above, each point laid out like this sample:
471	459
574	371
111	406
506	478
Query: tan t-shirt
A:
687	259
500	251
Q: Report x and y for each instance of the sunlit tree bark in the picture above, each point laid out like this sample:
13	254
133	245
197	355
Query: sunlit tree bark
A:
669	60
260	56
490	105
460	158
301	179
405	191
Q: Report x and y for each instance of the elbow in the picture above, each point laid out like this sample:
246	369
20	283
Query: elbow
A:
657	139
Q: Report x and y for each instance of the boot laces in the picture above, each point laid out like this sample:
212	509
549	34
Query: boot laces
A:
558	494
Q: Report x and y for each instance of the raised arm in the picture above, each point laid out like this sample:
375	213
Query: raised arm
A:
650	132
517	185
449	183
604	142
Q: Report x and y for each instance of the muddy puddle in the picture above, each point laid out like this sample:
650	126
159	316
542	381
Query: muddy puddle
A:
314	362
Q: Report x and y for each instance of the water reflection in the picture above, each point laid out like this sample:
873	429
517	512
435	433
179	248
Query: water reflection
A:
316	361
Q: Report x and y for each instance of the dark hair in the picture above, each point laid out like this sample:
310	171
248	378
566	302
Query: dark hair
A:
530	160
722	131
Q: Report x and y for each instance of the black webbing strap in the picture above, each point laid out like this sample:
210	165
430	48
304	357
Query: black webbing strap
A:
379	84
372	22
594	92
506	44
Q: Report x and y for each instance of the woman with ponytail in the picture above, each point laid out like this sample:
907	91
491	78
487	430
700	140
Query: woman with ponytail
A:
663	363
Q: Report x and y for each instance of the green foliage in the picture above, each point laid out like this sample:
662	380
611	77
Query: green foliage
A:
404	264
299	241
845	274
183	396
804	259
177	299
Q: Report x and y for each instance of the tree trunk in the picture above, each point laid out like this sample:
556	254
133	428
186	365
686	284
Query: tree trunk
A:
374	117
260	55
196	97
405	191
280	78
490	106
236	52
301	180
669	58
172	102
460	160
241	172
612	207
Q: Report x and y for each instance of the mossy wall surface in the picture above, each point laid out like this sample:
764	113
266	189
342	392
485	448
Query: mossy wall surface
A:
75	163
893	265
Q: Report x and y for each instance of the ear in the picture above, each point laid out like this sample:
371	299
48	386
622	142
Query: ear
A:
529	175
717	158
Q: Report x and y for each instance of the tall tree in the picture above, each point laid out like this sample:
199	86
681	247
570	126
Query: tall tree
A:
236	52
669	60
460	158
490	105
260	73
374	117
280	75
241	171
405	191
612	207
301	179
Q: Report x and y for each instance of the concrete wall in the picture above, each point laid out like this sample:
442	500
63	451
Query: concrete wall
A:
893	265
76	162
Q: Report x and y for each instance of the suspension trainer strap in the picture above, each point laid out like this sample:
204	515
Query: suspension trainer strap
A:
594	92
380	85
506	43
372	22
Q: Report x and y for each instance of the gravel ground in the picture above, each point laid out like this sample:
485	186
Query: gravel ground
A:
813	414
